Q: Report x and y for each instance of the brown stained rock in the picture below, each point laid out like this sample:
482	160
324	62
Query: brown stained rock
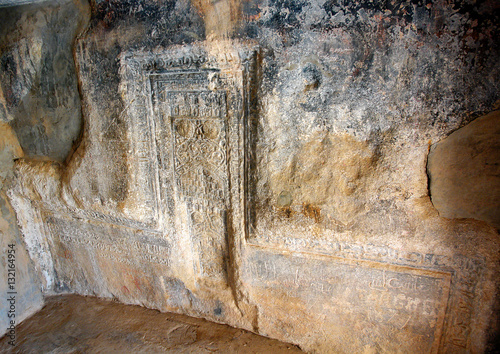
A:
74	324
329	171
464	171
312	212
221	17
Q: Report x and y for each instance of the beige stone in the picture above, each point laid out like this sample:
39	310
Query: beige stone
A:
464	171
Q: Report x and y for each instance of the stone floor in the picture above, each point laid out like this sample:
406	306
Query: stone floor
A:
77	324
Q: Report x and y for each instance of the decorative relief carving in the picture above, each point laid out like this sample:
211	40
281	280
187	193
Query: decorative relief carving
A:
197	102
197	111
199	144
190	128
196	118
463	298
188	58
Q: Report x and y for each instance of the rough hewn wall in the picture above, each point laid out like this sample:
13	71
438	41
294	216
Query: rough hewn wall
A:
40	98
19	282
264	164
40	117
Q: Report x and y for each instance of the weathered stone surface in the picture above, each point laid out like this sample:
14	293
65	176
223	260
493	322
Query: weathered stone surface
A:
38	83
402	307
267	169
19	282
9	3
464	171
40	116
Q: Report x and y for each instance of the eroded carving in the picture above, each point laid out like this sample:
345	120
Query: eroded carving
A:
197	109
108	242
397	298
197	121
191	137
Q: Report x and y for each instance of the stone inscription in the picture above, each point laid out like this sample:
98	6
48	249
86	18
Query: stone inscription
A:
466	273
463	297
379	253
108	219
192	112
121	245
399	298
195	59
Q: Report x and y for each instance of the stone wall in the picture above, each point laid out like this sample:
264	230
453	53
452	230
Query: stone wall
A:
40	118
20	286
264	164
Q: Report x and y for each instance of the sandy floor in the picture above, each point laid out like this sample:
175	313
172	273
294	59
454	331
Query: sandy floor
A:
77	324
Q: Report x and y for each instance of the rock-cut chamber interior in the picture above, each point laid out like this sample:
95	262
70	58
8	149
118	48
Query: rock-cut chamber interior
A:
324	173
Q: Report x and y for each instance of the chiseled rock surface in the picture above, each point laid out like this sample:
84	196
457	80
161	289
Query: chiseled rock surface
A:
263	164
464	171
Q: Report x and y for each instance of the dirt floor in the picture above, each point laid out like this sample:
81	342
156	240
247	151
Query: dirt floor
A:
77	324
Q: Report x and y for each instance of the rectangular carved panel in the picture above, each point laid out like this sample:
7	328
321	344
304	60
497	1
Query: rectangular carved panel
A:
195	120
115	244
197	102
401	308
